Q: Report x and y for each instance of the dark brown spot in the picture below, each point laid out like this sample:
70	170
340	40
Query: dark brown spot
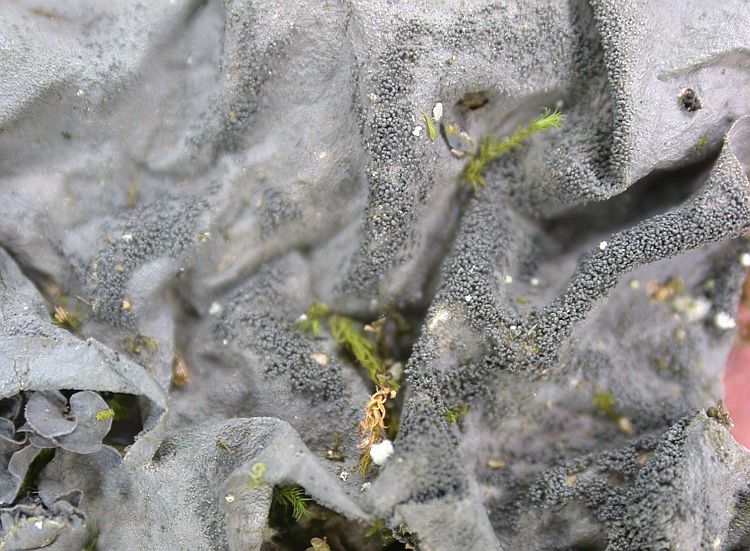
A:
689	100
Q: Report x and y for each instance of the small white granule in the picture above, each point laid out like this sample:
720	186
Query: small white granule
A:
381	452
745	260
603	245
722	320
693	309
534	281
215	309
128	238
437	112
417	131
396	370
467	298
508	279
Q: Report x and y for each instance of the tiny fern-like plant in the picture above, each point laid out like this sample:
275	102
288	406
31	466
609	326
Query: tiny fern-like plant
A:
346	334
491	147
294	497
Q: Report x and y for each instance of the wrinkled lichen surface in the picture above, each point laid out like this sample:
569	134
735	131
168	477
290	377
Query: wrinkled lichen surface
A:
180	180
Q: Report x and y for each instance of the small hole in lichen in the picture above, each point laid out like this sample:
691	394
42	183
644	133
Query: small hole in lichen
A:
126	420
474	100
689	100
288	534
29	485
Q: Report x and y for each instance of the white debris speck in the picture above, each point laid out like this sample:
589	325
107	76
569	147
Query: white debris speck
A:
396	370
128	238
417	131
603	245
508	278
344	475
722	320
634	284
467	298
438	317
80	93
225	342
745	260
692	309
381	451
534	281
215	309
437	112
365	486
229	498
322	154
319	357
39	524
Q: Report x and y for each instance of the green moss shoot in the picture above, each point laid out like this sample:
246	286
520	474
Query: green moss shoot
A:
105	414
294	497
379	529
346	334
63	317
701	141
365	461
256	475
431	128
136	344
224	446
604	402
491	147
312	318
91	545
453	414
